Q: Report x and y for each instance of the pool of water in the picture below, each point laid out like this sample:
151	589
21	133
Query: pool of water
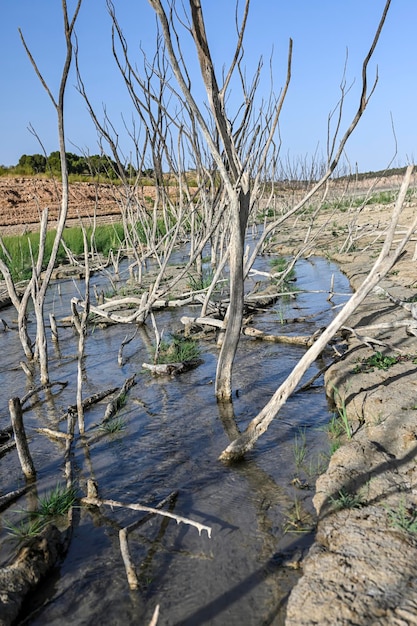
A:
174	431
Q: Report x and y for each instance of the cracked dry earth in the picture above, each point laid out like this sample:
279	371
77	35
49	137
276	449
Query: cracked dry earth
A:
362	567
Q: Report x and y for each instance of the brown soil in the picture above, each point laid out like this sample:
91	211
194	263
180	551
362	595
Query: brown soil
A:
23	199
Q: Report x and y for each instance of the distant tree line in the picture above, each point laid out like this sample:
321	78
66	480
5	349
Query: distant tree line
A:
91	165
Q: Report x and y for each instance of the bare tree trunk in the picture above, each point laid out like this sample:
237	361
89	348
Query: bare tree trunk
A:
25	458
240	211
382	265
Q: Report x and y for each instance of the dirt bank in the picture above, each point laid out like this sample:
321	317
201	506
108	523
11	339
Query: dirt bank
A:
362	568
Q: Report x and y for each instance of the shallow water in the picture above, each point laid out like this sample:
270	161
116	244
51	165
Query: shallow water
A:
174	432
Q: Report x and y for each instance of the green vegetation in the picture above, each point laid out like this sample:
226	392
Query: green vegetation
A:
341	420
382	362
280	265
177	350
17	251
25	529
346	500
199	282
53	504
114	425
403	517
300	447
83	167
298	520
57	502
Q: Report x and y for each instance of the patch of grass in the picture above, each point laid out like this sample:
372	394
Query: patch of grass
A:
56	502
376	361
53	504
403	517
25	529
346	500
298	520
342	416
300	447
177	350
280	266
114	425
198	282
16	252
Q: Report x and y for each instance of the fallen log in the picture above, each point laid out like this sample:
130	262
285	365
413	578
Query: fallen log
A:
12	496
114	405
202	321
299	340
170	369
97	397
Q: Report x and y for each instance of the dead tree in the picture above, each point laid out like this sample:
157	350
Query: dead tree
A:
37	286
240	148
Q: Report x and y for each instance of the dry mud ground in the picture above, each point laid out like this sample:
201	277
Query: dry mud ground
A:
362	567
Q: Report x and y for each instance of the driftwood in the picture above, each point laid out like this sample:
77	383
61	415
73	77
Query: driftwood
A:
288	339
170	369
202	321
124	343
45	387
385	261
97	397
12	496
10	445
410	307
155	616
131	575
54	434
114	405
147	509
371	342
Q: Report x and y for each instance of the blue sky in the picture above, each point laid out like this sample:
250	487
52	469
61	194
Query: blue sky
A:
323	32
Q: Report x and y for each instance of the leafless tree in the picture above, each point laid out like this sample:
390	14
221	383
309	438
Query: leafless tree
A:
38	284
241	147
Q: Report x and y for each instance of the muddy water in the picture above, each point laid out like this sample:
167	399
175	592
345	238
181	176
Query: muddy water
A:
174	432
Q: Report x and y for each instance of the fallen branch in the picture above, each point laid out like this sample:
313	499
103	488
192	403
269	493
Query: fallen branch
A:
114	405
131	575
202	321
6	447
54	434
288	339
139	507
371	342
97	397
45	387
33	562
12	496
170	369
410	307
